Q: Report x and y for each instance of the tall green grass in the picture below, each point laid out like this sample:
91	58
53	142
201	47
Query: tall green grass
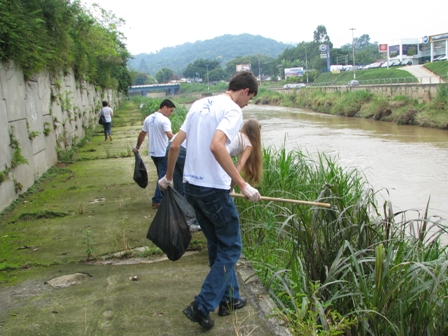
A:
355	268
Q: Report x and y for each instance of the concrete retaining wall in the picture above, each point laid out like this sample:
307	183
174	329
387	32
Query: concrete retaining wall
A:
59	106
421	92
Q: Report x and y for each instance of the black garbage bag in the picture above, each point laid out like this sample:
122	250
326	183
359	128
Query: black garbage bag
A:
140	173
169	230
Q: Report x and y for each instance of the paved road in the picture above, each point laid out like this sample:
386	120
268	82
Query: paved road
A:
423	75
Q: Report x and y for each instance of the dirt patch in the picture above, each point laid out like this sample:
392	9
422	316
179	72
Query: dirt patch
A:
407	118
68	280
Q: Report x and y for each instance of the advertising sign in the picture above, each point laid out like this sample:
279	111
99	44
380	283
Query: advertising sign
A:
440	37
290	72
382	48
243	67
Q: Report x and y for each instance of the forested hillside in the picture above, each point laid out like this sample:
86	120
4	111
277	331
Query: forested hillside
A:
223	48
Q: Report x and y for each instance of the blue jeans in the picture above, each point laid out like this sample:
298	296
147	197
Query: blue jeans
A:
107	129
220	223
160	163
178	174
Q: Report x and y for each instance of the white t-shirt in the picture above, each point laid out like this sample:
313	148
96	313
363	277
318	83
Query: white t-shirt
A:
203	119
183	144
106	110
156	125
238	144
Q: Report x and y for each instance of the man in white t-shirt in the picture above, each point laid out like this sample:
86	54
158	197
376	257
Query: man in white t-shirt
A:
209	173
158	127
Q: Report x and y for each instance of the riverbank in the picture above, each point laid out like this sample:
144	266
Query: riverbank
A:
75	259
364	104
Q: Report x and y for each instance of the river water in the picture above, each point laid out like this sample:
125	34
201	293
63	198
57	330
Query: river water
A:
405	164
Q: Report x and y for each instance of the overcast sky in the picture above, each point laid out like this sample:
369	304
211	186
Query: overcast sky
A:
153	25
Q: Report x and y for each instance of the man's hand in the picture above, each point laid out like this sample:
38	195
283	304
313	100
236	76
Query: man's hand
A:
164	183
251	193
135	150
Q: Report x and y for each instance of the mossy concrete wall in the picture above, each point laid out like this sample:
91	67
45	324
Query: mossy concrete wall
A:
421	92
43	112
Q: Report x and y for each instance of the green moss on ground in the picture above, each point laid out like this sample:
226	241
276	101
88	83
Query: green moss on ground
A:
87	209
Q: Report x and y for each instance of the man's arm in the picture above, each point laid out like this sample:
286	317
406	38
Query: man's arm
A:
169	135
140	139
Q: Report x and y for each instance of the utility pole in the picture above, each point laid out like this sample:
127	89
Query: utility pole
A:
353	48
208	86
306	65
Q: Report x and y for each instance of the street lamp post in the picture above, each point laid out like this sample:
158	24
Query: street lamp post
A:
353	49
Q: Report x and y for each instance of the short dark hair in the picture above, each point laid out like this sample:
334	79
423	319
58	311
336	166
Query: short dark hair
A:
244	80
104	103
167	103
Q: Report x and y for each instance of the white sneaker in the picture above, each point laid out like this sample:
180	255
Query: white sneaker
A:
195	228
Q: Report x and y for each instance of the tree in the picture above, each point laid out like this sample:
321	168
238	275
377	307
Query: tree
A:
217	74
164	75
200	67
362	42
143	67
320	35
140	78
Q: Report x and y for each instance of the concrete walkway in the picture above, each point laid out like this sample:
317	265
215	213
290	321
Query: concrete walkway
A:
137	297
424	76
138	293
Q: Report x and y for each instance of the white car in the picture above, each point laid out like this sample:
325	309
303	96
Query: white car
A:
294	86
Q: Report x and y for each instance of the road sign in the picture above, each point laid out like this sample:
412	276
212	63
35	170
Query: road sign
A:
382	47
323	47
425	39
323	55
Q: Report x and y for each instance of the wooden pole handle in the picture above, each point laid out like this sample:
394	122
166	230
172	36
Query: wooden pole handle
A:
286	200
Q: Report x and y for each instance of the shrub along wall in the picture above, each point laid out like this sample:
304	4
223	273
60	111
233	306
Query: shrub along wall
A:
37	116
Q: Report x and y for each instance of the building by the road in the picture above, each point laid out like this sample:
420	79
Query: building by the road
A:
418	50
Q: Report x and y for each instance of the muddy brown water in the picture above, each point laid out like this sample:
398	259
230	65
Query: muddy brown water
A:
410	162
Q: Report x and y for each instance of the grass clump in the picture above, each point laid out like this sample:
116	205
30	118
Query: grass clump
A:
30	216
355	268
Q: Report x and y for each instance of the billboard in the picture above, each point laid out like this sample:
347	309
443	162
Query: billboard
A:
243	67
382	48
440	37
290	72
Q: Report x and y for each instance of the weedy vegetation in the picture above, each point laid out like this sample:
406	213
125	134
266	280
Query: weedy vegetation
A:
353	269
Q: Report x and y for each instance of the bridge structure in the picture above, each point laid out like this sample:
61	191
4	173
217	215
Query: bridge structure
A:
170	89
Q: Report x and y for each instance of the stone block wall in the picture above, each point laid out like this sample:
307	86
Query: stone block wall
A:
421	92
43	113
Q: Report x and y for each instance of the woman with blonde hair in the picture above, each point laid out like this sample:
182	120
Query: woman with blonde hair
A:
247	147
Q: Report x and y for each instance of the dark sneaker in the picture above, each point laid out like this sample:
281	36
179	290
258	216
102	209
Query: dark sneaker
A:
194	314
226	307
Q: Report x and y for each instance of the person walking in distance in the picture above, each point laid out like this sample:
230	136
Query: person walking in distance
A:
158	127
108	113
209	173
